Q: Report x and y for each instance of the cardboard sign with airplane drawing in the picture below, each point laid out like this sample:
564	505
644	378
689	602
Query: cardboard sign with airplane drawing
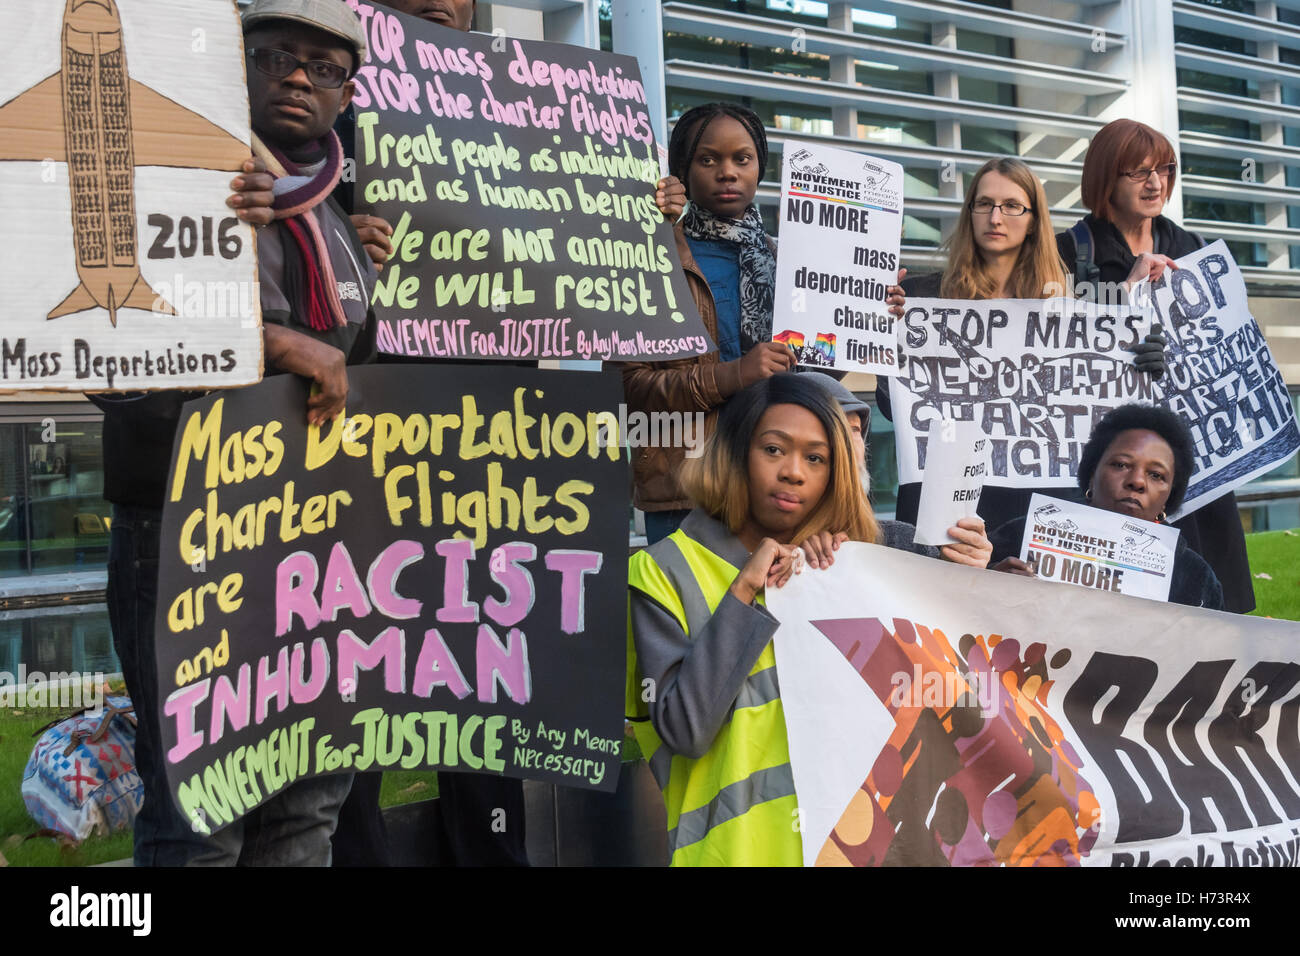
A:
122	123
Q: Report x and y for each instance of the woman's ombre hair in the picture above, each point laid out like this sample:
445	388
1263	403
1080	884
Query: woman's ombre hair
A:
718	480
1120	146
1038	271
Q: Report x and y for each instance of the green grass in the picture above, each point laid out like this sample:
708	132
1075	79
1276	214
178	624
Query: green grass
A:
407	786
1277	554
18	844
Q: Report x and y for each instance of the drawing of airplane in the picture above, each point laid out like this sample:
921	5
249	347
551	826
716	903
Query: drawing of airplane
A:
85	115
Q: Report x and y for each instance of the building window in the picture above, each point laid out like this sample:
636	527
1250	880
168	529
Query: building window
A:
875	128
1190	121
1234	6
1214	83
1247	253
52	513
982	139
886	76
882	460
1223	210
53	640
1214	41
920	231
1216	167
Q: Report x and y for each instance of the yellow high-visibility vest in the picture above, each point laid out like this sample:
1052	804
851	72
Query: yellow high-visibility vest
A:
736	805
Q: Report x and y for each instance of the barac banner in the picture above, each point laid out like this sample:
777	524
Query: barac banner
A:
948	716
428	582
519	178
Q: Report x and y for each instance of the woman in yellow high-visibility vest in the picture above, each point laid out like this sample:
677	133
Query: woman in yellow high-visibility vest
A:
778	472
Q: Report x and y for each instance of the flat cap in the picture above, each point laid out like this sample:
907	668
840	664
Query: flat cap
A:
332	16
848	402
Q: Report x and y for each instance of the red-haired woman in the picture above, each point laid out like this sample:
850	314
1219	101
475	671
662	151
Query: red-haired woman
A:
1128	175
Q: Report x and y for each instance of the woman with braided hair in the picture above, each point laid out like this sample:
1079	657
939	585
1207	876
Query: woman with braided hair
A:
719	151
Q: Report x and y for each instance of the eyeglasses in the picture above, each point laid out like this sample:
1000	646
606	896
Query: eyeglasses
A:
1142	175
322	74
985	207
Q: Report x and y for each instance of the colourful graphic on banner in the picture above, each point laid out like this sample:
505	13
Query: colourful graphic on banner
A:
978	748
940	715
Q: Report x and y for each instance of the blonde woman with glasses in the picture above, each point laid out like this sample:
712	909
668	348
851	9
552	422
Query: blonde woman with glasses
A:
1002	248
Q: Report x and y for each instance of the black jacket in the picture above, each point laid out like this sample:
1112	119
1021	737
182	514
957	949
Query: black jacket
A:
1111	253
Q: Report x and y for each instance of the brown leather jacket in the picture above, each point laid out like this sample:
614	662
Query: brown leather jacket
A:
697	384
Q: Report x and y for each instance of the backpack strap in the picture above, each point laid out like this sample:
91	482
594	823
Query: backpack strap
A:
1085	266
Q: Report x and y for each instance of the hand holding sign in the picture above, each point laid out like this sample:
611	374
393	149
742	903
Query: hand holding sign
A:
1106	550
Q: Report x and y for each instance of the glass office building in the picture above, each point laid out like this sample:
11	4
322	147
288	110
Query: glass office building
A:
940	86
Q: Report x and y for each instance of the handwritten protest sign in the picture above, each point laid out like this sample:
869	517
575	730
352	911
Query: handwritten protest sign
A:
1222	378
954	480
998	720
1073	543
519	179
1036	375
841	225
118	137
433	581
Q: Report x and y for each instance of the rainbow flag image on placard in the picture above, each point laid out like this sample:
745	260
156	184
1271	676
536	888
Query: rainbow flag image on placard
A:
789	337
825	344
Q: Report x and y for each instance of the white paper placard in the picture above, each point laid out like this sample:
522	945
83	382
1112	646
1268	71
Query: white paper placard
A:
1076	544
841	225
128	271
955	468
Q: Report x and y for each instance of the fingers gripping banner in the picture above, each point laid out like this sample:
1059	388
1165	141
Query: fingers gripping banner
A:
427	583
951	717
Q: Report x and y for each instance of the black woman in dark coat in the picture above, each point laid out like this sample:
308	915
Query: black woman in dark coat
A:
1136	463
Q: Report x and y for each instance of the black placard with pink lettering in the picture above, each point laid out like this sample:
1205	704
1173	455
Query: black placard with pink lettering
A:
519	178
437	580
